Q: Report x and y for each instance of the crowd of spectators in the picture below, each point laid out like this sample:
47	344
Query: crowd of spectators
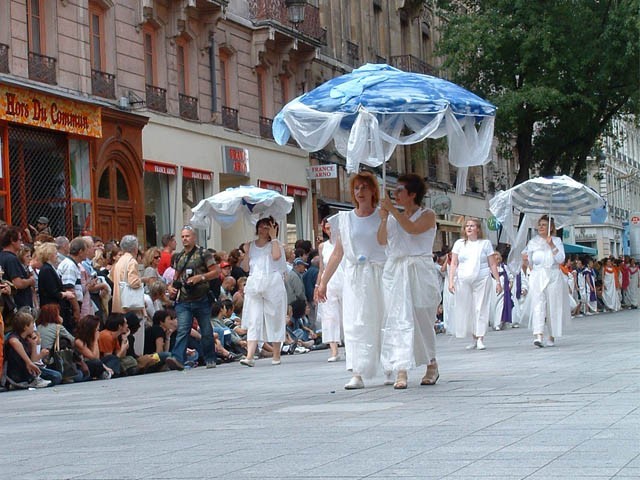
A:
62	295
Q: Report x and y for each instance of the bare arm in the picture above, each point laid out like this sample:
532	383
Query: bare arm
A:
493	266
32	368
452	271
330	269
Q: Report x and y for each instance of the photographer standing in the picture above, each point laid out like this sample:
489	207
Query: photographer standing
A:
194	267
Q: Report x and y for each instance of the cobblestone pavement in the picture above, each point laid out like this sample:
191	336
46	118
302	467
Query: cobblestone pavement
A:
513	411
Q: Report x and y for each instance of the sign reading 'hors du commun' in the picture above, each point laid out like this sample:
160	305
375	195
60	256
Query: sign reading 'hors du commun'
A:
46	111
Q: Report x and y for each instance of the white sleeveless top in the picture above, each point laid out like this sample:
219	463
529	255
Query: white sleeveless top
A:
364	238
403	244
262	263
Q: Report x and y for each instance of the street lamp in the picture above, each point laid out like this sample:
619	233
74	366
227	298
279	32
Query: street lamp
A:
295	11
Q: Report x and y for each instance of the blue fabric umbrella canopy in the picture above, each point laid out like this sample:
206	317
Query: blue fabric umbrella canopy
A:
371	110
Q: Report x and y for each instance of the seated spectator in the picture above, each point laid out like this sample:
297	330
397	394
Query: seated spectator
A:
227	288
21	354
229	339
48	323
86	344
145	363
155	300
113	343
239	295
158	340
299	324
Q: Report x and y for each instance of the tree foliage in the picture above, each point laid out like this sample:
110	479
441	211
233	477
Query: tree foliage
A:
558	71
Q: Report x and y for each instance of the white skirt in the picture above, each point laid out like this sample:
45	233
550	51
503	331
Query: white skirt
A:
362	314
412	296
265	307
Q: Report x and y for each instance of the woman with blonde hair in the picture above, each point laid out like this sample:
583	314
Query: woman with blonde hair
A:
363	260
150	261
472	263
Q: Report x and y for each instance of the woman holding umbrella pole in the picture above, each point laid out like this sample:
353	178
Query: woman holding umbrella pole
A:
364	257
472	262
547	286
410	281
265	297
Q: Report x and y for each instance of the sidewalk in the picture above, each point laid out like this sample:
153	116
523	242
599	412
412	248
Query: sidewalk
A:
513	411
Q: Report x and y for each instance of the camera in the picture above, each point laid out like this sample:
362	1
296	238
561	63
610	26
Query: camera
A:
177	284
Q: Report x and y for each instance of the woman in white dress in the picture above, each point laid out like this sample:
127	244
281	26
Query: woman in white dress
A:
611	286
472	266
547	285
265	297
362	296
411	283
330	311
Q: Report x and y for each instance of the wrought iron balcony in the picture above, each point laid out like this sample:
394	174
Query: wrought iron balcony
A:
4	58
188	107
230	118
103	84
381	59
353	54
276	10
42	68
409	63
156	98
266	125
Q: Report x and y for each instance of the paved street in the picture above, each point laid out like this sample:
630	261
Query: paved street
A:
510	412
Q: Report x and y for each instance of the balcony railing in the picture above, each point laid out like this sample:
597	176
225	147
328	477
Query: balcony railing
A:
409	63
353	53
381	59
156	98
230	118
4	58
266	125
42	68
103	84
266	10
188	107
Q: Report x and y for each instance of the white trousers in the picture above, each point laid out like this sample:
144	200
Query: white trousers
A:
472	304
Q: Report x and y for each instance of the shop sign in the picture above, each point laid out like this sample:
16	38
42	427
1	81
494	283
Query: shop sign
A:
45	111
197	174
317	172
235	160
294	191
276	187
153	167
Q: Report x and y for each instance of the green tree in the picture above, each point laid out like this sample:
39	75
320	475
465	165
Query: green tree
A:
558	71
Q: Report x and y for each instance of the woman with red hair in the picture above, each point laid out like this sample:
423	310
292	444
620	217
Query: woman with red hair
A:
364	258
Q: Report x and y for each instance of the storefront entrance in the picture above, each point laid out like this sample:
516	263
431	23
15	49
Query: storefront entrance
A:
114	202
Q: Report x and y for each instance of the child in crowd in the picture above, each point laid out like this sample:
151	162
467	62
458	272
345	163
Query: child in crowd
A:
21	354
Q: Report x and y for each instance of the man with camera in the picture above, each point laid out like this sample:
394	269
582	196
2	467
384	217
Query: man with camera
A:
194	267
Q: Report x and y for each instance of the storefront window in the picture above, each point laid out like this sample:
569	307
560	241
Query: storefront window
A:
39	179
82	221
296	217
80	172
195	187
158	201
80	187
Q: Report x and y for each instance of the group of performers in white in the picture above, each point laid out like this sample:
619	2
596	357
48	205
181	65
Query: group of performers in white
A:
379	289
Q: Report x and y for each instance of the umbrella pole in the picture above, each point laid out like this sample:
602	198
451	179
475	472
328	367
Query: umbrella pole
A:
384	179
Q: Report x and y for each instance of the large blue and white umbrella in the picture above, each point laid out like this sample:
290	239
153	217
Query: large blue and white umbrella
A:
245	202
371	110
564	199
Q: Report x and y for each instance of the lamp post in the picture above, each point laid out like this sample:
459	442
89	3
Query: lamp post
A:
295	11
